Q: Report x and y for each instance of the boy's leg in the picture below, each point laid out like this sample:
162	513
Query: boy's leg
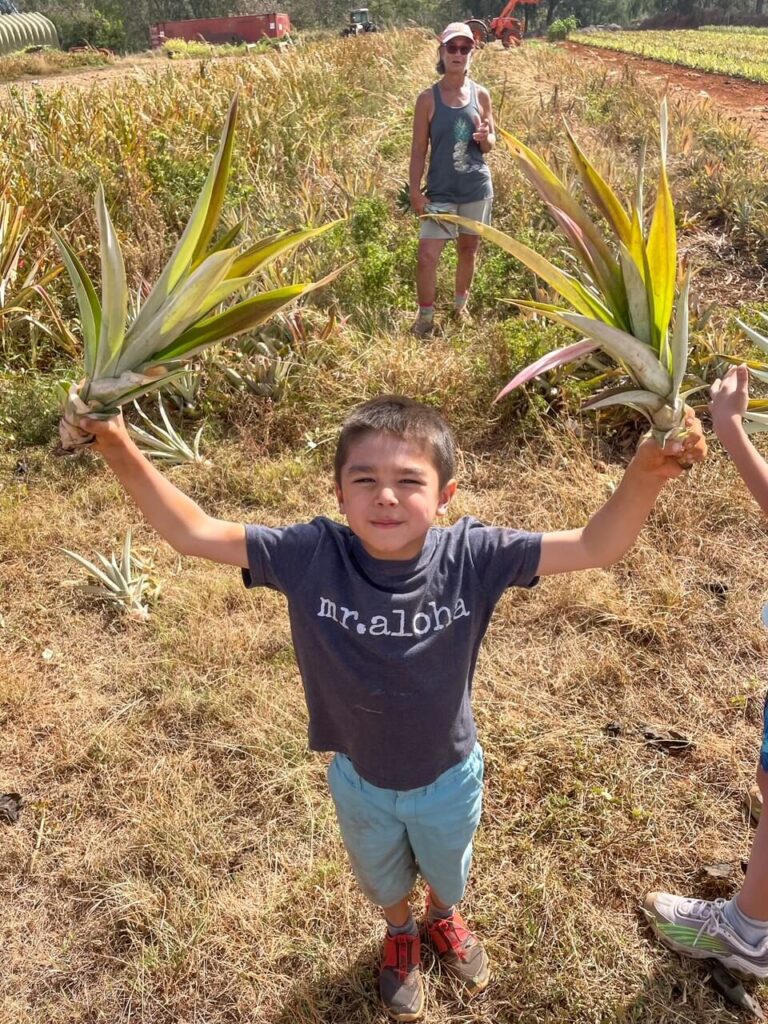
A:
384	866
733	931
441	826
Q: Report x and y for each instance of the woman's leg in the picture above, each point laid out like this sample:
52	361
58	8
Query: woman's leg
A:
467	246
426	270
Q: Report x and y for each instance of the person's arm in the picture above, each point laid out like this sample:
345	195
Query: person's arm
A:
176	517
485	133
612	531
728	405
419	146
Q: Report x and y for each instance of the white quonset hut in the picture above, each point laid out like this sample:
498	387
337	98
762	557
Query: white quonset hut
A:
18	31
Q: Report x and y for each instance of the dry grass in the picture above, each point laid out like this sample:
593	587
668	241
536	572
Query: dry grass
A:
188	867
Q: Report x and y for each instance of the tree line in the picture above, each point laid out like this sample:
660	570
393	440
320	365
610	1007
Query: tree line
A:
123	25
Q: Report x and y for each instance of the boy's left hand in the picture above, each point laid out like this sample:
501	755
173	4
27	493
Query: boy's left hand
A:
677	455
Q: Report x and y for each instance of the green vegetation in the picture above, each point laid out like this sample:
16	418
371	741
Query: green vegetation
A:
562	28
742	53
177	858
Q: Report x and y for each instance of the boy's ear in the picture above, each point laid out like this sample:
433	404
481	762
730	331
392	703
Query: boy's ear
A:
446	496
339	496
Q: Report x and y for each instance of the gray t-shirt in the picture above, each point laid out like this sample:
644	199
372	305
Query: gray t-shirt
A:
387	649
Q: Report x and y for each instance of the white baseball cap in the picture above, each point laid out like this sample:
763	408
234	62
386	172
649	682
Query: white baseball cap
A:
456	29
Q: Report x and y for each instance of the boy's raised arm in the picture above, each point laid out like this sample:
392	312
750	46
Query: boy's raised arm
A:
613	529
176	517
729	403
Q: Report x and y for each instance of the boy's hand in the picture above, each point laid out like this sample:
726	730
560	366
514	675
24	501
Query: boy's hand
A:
677	455
100	434
729	398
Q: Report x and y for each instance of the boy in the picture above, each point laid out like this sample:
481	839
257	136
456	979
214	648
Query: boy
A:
733	931
387	615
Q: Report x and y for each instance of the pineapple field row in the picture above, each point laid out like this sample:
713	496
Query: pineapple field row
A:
727	51
175	855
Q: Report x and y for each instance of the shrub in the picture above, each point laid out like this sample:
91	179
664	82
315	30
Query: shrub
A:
562	28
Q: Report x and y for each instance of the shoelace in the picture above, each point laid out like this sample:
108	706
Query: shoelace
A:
711	913
453	933
403	946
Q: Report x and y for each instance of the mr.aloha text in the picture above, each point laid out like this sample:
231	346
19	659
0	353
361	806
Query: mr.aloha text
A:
397	622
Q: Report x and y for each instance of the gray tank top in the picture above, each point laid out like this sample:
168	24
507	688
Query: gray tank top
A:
458	172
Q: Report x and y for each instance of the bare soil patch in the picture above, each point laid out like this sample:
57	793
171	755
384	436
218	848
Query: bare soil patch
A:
740	99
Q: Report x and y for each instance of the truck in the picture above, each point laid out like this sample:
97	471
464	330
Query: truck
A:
244	28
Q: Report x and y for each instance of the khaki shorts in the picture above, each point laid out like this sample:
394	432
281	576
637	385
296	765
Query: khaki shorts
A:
479	210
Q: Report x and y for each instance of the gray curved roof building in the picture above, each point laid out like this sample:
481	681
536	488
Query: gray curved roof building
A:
18	31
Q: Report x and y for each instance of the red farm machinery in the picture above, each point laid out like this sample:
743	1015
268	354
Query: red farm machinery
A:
508	29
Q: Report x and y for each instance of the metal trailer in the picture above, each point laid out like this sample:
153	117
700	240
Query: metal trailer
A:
18	31
246	28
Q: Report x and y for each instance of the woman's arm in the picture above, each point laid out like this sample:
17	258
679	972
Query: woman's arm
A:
485	135
419	146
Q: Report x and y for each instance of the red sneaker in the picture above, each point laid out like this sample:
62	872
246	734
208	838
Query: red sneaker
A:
400	984
460	951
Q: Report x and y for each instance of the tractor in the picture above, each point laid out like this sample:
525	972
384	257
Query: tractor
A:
504	27
359	22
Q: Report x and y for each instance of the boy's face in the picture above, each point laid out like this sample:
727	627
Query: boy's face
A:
391	495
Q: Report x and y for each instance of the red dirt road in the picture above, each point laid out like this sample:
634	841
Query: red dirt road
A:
742	100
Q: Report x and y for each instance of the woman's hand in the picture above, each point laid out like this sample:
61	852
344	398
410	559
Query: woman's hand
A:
482	131
419	203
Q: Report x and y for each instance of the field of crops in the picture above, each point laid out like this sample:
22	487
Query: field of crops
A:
725	51
177	858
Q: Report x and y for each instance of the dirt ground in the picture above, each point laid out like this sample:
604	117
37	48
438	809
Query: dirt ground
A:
743	100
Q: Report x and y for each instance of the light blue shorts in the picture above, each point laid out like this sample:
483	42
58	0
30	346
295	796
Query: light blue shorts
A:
479	210
391	835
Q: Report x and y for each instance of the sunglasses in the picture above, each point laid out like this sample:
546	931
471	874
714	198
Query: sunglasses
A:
463	50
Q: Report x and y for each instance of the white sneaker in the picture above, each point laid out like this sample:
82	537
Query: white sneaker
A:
699	928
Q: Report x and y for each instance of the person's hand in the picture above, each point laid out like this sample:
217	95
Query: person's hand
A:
677	455
482	131
419	203
101	435
728	399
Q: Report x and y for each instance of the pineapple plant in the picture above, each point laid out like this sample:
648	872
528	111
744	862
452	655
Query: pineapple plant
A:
622	296
128	357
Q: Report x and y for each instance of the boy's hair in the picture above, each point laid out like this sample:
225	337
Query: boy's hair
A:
400	417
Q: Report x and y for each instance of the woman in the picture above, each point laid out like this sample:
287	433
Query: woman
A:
454	120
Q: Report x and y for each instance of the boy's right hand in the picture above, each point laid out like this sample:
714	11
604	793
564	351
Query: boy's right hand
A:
729	398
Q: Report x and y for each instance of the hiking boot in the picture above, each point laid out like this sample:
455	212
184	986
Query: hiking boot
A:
461	316
400	984
460	952
699	928
423	327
